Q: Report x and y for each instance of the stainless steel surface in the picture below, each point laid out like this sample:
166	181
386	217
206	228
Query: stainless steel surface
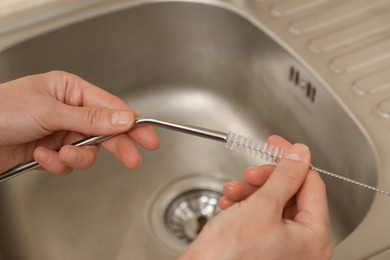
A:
212	61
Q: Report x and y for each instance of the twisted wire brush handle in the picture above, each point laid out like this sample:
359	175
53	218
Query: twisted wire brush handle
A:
274	154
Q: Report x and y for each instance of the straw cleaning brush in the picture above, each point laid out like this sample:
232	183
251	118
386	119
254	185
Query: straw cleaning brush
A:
232	141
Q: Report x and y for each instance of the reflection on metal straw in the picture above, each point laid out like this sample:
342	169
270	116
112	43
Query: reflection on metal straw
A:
201	132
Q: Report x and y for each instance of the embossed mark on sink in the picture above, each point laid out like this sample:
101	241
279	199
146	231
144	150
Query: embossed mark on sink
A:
304	84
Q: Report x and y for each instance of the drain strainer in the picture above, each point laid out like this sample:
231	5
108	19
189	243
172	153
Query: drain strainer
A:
190	211
181	209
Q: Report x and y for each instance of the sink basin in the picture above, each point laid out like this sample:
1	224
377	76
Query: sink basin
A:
197	63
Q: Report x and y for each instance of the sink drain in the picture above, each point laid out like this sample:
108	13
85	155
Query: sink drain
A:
188	213
181	209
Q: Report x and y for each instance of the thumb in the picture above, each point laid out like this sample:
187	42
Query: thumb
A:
286	179
93	120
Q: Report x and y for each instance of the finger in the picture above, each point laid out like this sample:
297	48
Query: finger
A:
279	142
287	177
258	175
312	202
238	190
122	146
87	108
78	157
225	202
48	159
145	136
53	141
99	98
290	210
124	149
75	91
254	178
90	120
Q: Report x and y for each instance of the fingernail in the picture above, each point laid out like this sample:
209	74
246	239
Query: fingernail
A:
43	156
297	152
71	156
122	118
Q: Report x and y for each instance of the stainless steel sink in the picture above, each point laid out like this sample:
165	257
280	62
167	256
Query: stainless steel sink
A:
199	63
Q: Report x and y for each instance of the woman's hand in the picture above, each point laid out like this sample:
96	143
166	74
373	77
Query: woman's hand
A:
41	113
254	177
276	212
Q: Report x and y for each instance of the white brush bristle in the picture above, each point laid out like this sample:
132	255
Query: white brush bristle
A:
265	151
